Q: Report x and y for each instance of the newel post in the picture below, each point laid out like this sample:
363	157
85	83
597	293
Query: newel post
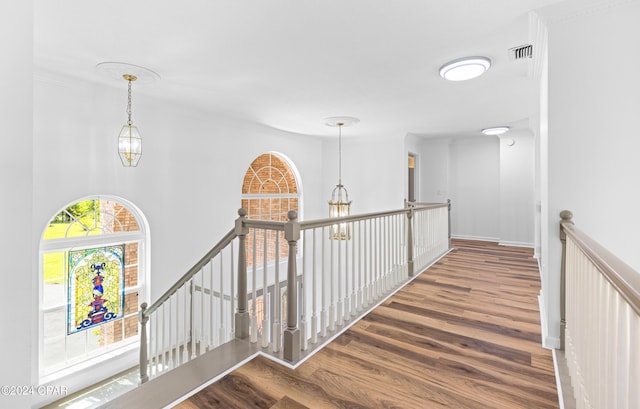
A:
143	318
566	217
242	315
291	350
410	240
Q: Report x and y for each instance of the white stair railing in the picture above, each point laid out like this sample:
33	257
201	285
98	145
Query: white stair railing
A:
194	316
250	285
600	327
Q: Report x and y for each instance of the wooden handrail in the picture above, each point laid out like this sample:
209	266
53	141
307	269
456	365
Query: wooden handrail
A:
192	271
621	276
329	221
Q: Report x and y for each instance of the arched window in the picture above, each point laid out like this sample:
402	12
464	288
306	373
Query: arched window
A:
269	192
92	281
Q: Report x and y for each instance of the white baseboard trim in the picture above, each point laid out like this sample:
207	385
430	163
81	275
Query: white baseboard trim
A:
558	382
516	244
478	238
551	342
547	341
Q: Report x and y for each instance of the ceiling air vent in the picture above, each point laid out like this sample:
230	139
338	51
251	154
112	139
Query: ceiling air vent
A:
521	52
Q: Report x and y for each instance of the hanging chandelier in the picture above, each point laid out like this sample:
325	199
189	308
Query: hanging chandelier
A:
340	205
129	139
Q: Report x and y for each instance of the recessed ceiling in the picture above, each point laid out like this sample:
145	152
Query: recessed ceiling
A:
288	64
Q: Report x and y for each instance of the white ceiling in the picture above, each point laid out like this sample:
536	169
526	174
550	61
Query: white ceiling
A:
290	63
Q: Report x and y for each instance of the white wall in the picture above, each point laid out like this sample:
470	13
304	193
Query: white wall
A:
373	171
594	100
188	182
490	184
16	102
475	188
517	205
434	170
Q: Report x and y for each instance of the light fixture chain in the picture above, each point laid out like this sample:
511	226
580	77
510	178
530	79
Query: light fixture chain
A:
129	122
340	154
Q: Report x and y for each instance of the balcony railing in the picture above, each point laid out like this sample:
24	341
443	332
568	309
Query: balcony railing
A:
600	322
289	302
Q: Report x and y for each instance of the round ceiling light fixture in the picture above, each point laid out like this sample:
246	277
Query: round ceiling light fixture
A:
496	130
465	68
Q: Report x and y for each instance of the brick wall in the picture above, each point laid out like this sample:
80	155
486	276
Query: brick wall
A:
122	220
268	175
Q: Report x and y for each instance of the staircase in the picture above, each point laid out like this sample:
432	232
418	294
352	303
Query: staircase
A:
280	289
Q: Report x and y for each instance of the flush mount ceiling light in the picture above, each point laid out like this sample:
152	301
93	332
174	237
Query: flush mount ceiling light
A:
465	68
340	205
129	138
496	130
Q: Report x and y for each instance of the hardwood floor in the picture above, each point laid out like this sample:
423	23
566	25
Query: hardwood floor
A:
464	334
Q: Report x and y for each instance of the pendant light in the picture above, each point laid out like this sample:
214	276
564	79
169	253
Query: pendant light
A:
340	205
129	139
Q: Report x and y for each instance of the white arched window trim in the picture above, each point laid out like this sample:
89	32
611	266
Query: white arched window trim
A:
296	175
142	237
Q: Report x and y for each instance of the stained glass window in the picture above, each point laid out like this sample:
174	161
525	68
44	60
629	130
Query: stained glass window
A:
92	282
96	287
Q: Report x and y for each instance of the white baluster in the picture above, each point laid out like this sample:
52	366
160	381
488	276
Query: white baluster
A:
303	321
169	327
253	324
204	344
314	291
361	285
265	296
378	257
192	320
634	360
302	291
323	312
221	329
154	331
266	307
185	351
162	344
354	296
340	276
277	295
369	263
332	307
212	341
385	255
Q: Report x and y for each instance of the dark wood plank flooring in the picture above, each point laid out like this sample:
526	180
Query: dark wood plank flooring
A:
464	334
